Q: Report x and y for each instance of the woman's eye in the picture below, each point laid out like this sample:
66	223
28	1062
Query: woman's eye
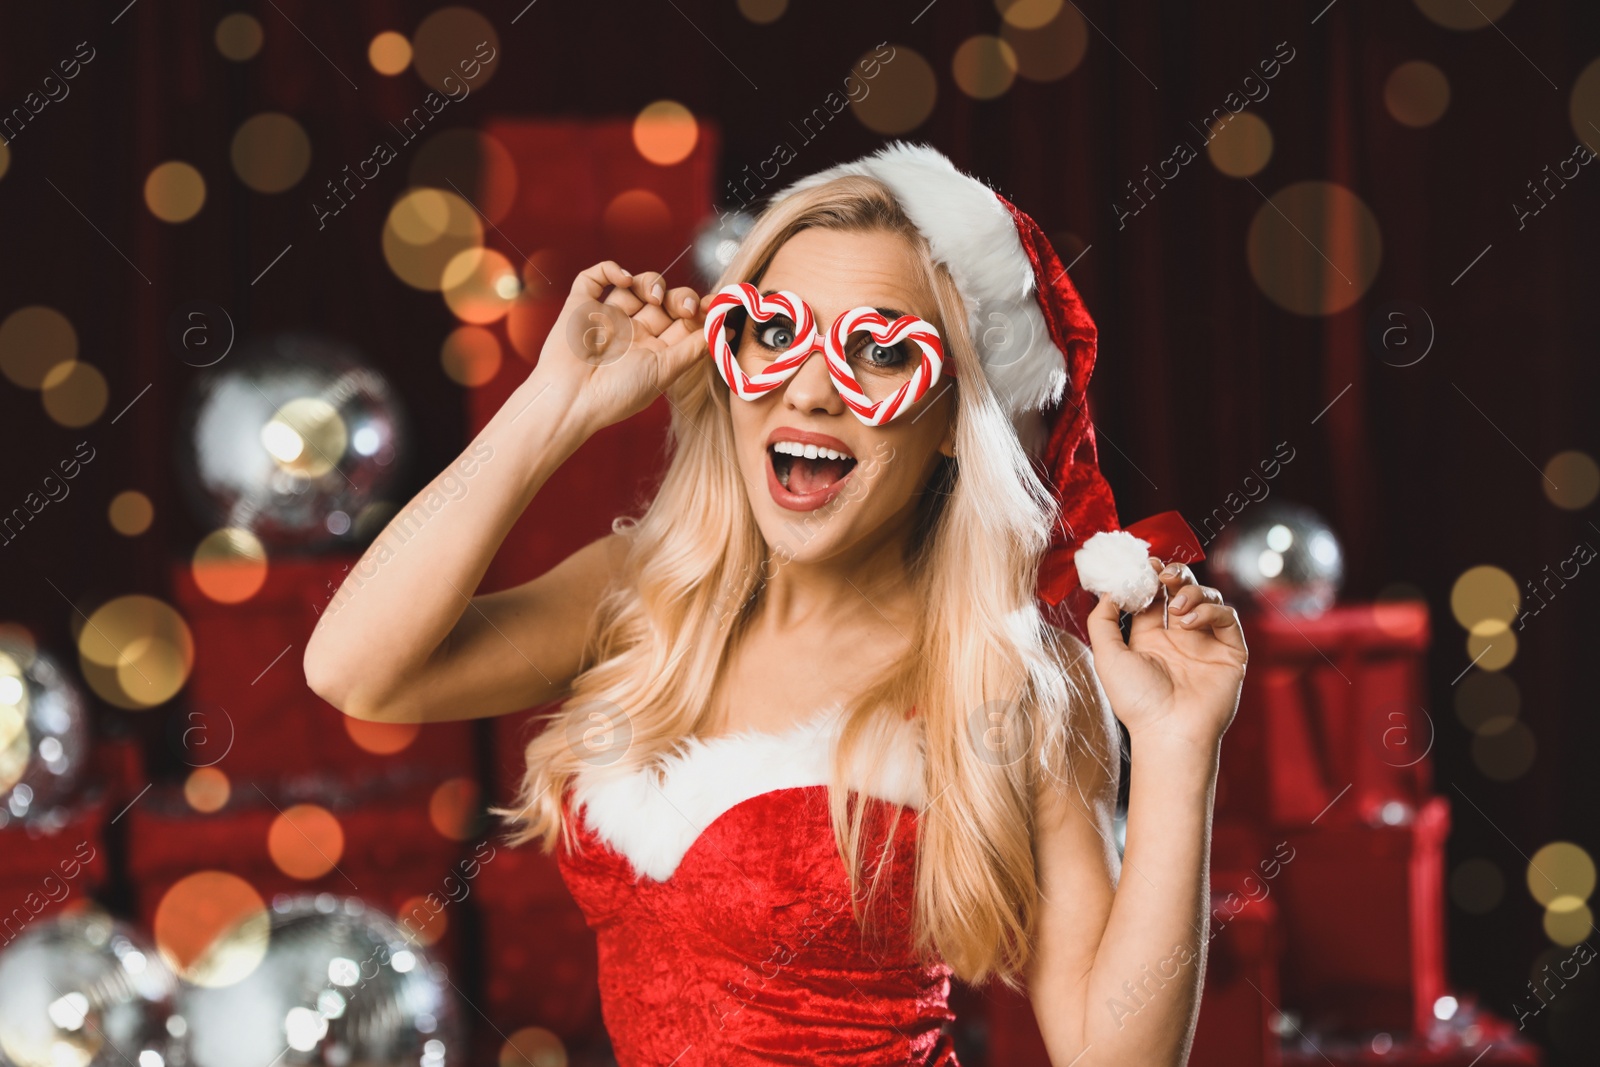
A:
778	336
876	355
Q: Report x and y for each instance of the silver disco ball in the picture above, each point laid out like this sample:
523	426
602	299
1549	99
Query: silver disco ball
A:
87	991
340	985
717	241
44	732
295	439
1279	555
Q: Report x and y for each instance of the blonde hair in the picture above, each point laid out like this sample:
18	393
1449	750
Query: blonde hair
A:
693	579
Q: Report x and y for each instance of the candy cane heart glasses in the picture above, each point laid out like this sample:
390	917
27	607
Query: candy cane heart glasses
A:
880	368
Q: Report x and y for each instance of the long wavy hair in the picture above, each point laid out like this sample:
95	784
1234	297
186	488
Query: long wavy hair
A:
994	700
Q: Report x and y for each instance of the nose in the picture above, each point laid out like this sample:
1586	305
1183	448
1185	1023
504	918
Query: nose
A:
810	389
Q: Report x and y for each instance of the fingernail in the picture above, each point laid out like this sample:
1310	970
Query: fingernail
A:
1187	619
688	303
1178	602
1172	568
656	290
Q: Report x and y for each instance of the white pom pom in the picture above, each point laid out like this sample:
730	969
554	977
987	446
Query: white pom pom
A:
1118	563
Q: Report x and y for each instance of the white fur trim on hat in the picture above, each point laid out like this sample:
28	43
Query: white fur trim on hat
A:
1116	562
970	231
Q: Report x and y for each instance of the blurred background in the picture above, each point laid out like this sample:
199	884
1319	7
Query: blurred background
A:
268	266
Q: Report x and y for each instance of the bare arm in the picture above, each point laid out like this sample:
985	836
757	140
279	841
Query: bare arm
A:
1121	947
405	639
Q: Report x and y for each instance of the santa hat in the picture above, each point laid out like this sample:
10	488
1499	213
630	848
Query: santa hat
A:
1036	343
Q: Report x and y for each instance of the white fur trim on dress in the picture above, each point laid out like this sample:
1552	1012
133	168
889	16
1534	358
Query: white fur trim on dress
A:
652	815
973	235
1118	563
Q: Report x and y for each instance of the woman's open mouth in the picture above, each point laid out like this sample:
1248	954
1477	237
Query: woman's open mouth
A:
803	477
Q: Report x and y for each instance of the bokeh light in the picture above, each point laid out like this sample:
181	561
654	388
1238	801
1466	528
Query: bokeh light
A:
389	53
1484	696
1464	14
33	341
635	213
1571	480
1504	749
174	191
306	436
207	790
74	393
1561	869
1417	93
425	230
1477	886
454	807
130	513
305	841
470	355
455	48
762	12
135	652
1028	14
271	152
381	738
1050	51
230	565
665	132
480	285
472	164
238	36
1567	921
1241	146
1584	106
533	1046
212	928
1492	653
1314	249
903	92
5	158
1484	600
423	923
984	66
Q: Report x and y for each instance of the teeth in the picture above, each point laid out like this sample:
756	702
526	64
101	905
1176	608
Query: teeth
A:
795	448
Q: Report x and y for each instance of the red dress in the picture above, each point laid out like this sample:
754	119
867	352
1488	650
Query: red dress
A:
721	908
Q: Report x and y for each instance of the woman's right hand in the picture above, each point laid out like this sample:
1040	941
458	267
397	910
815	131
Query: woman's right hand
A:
606	360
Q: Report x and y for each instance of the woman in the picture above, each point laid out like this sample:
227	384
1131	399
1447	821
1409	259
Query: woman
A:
820	748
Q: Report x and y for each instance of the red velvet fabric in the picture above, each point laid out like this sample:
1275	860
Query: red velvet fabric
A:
749	953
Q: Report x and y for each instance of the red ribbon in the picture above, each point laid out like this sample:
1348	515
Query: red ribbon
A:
1169	536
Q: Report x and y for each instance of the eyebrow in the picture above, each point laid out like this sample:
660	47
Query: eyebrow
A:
889	313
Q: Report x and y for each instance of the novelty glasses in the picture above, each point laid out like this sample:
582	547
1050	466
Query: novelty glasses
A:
880	368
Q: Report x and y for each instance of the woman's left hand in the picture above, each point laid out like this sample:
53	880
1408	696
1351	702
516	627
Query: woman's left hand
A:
1179	681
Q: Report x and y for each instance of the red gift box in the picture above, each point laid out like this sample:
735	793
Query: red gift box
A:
249	712
1363	915
1333	706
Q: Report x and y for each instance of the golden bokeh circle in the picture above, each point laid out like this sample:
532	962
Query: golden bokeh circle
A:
389	53
1561	869
5	158
480	285
1504	750
1242	146
1568	921
1464	14
470	355
1416	93
306	437
271	152
238	36
635	213
305	841
665	132
381	738
1484	600
533	1046
1050	51
455	48
1477	886
135	651
472	163
207	790
130	513
903	93
1483	697
1028	14
1492	653
174	191
33	341
1571	480
425	230
74	393
984	66
230	565
212	928
762	12
1314	248
454	807
1583	108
